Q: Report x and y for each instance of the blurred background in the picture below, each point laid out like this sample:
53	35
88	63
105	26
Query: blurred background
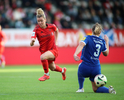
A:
64	13
74	19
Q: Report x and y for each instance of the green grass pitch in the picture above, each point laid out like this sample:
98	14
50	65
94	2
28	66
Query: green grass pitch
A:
21	83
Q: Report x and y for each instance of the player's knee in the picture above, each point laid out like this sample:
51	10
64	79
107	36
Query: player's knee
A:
94	89
41	57
52	69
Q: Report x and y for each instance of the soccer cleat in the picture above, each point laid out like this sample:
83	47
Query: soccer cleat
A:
63	74
80	90
43	78
111	90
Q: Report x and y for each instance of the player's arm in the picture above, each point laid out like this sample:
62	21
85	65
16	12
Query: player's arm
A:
56	35
78	50
33	37
107	45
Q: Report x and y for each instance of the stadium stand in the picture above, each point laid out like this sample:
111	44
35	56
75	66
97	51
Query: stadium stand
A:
64	13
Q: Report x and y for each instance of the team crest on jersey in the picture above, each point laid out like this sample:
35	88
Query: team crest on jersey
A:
49	29
84	38
41	31
33	34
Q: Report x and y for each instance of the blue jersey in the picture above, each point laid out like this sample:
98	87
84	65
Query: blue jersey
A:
92	50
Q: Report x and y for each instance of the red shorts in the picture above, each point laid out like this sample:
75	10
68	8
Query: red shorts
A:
1	50
54	52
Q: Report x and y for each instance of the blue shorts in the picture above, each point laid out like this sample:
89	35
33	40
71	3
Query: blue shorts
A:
89	71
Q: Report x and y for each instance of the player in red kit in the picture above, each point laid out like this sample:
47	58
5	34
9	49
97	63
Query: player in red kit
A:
47	36
2	42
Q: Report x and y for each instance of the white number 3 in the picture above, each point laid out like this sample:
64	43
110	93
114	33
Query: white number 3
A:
98	46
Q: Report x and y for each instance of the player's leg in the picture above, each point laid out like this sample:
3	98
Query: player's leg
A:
2	61
81	78
102	89
95	71
44	59
46	71
2	58
56	68
80	82
47	55
50	56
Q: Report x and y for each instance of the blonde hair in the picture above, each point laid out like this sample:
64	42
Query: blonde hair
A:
96	29
40	13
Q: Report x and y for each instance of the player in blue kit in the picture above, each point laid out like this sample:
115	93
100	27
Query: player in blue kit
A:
91	47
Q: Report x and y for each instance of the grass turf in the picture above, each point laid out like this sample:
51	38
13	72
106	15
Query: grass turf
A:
21	83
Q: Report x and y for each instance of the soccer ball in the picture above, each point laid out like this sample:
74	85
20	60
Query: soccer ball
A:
100	80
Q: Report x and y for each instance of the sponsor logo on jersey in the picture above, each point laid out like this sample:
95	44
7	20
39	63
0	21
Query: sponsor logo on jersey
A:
84	38
47	35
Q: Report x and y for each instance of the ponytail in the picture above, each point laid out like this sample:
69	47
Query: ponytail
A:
40	13
96	29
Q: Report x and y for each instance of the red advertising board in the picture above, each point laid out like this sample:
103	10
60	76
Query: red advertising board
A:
31	56
19	52
118	37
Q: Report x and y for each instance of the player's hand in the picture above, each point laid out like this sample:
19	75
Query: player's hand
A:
76	58
106	38
32	43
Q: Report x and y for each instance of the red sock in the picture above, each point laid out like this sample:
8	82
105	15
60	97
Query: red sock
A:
58	69
45	66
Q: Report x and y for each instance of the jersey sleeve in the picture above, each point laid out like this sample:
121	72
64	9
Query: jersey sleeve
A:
33	33
85	40
104	47
54	27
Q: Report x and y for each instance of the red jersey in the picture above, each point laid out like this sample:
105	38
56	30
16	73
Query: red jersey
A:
45	37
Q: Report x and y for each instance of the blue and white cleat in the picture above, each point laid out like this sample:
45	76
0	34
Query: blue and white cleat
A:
111	90
80	90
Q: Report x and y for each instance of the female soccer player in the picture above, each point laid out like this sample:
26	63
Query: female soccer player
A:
47	35
3	40
91	47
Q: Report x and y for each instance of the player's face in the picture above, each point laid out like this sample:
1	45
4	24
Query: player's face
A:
41	22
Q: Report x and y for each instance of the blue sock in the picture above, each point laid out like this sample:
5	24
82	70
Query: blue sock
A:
102	90
80	81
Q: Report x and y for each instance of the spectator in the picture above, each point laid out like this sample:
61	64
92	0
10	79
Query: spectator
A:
57	18
66	22
18	14
72	10
79	12
109	16
94	17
